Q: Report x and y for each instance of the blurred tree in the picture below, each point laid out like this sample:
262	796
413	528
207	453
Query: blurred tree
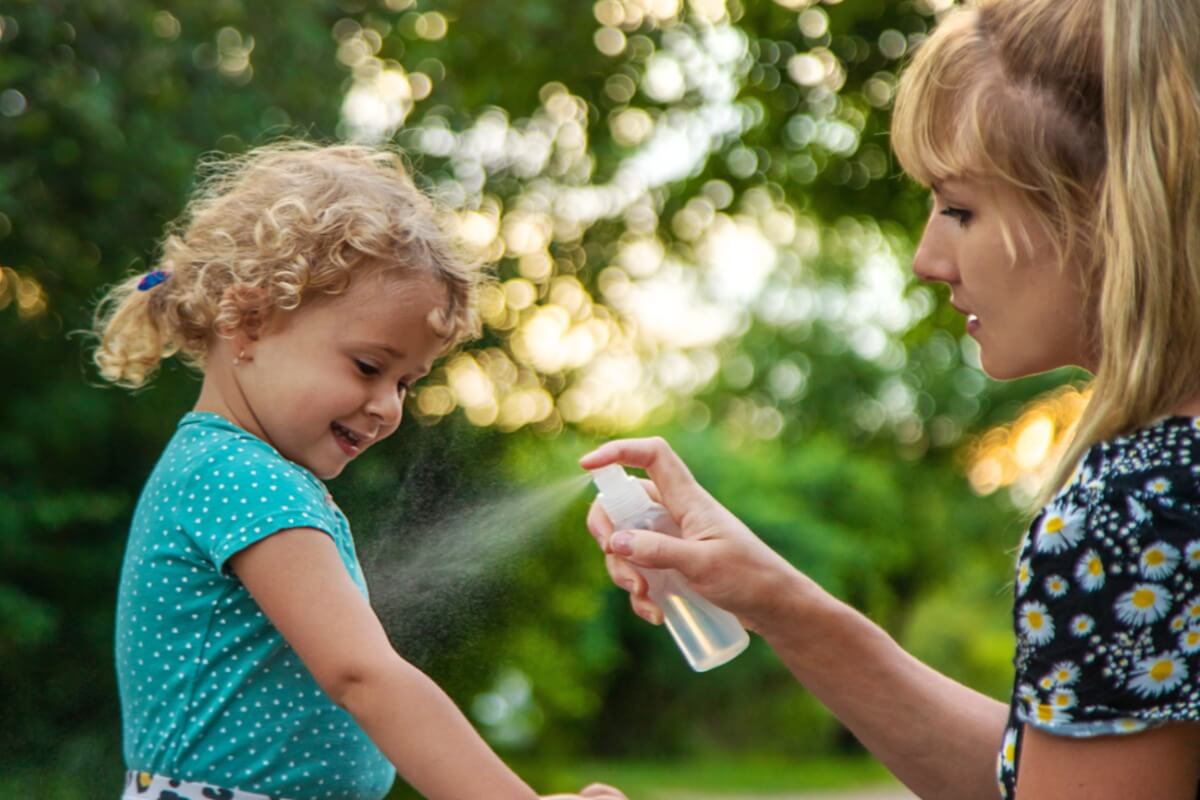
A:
698	231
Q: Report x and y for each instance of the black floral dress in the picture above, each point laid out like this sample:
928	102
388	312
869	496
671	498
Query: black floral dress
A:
1107	610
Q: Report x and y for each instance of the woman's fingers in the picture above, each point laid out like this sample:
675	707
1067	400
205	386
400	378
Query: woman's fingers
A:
599	525
624	575
593	791
665	468
602	791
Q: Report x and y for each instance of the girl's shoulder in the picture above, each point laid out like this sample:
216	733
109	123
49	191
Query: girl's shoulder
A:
209	442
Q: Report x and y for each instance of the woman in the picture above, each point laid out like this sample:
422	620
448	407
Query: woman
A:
1059	138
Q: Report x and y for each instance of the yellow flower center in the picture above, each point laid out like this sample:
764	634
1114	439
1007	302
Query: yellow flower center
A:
1143	598
1045	712
1035	619
1155	557
1062	699
1094	567
1054	524
1162	670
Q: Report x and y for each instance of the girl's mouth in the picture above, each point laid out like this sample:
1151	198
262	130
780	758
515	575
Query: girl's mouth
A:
347	439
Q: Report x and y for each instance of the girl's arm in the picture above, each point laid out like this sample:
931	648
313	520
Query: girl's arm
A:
938	736
299	581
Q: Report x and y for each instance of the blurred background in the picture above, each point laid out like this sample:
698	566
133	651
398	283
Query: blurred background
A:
698	231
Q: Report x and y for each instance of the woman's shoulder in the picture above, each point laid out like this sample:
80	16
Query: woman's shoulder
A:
1160	460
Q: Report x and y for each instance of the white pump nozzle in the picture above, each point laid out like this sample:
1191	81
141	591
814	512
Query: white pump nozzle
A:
621	495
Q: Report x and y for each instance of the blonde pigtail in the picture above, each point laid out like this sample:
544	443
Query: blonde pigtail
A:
132	341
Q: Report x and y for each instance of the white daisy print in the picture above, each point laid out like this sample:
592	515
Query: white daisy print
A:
1024	575
1158	485
1158	561
1189	641
1062	699
1027	695
1089	571
1008	751
1065	673
1192	609
1143	604
1056	586
1048	714
1157	674
1047	683
1130	725
1036	624
1082	625
1059	529
1137	510
1178	623
1192	554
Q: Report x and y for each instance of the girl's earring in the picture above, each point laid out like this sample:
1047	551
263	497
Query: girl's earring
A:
238	358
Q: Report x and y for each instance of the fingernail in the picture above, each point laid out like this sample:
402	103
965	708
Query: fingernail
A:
621	542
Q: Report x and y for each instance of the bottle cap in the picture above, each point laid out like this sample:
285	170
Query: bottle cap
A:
621	494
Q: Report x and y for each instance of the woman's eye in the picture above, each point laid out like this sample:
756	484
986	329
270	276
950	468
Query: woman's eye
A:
365	368
961	214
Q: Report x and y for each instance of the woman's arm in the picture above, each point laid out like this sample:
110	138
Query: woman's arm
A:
1158	764
299	581
939	737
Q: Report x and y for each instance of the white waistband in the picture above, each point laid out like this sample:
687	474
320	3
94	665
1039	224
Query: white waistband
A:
147	786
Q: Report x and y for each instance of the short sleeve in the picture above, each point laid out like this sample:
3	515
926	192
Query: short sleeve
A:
1107	613
242	492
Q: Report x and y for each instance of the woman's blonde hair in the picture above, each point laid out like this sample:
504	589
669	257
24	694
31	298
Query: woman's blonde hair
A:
1089	112
268	230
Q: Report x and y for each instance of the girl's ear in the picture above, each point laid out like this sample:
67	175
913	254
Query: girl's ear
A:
242	315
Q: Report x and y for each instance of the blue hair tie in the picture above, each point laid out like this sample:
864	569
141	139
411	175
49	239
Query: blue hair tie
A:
152	279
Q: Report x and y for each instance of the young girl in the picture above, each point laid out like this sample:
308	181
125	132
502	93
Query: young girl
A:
1060	138
313	287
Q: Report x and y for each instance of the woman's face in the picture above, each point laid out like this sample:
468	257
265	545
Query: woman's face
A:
1026	312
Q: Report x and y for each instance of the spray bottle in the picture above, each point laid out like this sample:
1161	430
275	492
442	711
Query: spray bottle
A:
707	635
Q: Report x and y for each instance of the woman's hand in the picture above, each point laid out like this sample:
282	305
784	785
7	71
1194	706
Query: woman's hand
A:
719	556
594	791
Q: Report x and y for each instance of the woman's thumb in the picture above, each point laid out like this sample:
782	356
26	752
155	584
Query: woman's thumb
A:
652	549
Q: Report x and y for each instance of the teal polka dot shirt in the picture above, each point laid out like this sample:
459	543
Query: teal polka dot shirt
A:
210	690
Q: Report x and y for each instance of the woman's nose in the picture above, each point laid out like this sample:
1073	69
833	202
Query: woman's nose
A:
933	261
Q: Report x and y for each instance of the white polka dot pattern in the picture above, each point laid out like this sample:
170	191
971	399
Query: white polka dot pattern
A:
210	691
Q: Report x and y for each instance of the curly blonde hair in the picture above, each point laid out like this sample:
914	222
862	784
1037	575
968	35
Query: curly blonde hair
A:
269	229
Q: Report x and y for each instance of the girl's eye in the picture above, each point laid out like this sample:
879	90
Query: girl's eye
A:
365	368
961	214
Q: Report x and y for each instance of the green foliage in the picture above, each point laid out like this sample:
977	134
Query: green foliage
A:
830	429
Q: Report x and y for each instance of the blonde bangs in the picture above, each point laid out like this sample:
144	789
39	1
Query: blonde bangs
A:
936	130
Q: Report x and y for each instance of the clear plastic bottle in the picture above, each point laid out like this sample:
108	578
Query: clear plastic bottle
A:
707	635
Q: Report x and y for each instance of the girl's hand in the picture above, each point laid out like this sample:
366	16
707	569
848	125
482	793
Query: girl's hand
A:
719	556
594	791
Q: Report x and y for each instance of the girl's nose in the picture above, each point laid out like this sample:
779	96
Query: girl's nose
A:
388	407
